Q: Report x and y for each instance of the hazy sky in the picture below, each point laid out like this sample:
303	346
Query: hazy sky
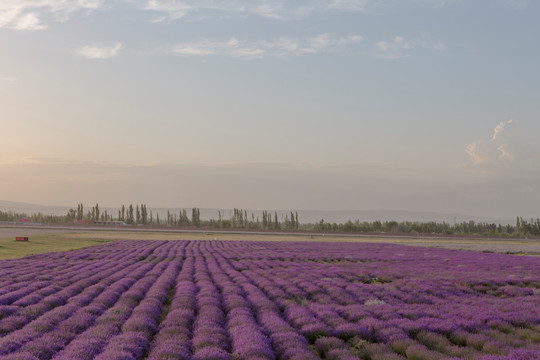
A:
426	105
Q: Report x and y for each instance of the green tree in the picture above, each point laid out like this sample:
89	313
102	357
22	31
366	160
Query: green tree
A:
130	217
71	215
80	212
196	217
144	214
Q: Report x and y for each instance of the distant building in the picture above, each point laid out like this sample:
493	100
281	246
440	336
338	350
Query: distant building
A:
100	222
112	222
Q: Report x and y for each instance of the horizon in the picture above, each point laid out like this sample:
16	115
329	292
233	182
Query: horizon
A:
420	105
305	215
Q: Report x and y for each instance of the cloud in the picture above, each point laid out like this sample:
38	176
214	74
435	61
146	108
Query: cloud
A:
351	5
28	14
99	51
437	3
400	47
279	10
393	49
474	152
232	48
319	43
29	21
500	130
351	39
280	47
498	150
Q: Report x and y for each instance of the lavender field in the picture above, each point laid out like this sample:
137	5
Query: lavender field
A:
269	300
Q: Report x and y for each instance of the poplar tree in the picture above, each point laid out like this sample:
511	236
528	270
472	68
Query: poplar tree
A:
144	214
130	219
196	217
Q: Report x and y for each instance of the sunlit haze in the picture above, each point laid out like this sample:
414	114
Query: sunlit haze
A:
425	105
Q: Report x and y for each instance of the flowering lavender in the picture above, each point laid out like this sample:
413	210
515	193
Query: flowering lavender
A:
234	300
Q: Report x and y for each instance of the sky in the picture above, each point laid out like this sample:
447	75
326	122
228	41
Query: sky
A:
425	105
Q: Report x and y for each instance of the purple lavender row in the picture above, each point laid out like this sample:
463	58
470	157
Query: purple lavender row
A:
308	321
22	286
141	326
210	339
23	314
247	337
50	319
57	339
300	316
333	323
60	333
376	301
173	338
285	340
92	341
364	312
53	264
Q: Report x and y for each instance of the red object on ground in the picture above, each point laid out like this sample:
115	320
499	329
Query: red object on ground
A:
21	238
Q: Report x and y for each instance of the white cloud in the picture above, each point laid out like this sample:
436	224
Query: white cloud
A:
232	47
281	10
319	43
437	3
29	21
498	149
269	10
500	130
393	49
397	43
173	9
99	51
504	154
355	5
280	47
351	39
28	14
400	47
474	152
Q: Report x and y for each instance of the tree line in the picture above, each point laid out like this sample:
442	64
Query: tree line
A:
522	228
240	219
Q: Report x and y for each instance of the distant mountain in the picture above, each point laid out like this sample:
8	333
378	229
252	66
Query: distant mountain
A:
304	216
27	208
